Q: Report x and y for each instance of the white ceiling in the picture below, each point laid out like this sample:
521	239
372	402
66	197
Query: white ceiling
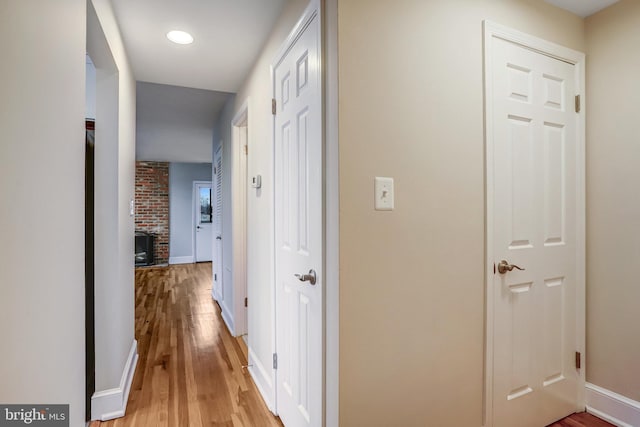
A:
228	37
175	124
582	8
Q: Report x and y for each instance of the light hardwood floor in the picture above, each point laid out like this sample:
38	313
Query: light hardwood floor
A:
189	368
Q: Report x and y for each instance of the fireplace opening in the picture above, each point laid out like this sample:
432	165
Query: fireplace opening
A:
144	248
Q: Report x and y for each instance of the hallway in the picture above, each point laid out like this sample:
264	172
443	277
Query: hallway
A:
189	369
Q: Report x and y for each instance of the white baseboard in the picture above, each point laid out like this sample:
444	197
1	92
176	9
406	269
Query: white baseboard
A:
262	379
112	403
612	407
181	260
228	318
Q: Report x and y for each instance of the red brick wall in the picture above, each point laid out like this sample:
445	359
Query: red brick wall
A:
152	205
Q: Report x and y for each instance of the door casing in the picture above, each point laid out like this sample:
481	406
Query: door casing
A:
491	32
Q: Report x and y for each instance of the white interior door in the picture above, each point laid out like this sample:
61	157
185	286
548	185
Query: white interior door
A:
218	290
534	141
298	229
203	221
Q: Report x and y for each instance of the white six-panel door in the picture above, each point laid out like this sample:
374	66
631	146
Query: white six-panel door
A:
535	226
298	228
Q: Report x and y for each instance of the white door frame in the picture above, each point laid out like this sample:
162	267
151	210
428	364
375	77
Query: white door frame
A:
194	215
330	195
329	57
239	193
495	31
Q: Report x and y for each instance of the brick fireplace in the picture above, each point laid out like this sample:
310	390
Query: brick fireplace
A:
152	205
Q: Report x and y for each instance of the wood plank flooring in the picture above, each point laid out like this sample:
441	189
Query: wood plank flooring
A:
581	420
189	368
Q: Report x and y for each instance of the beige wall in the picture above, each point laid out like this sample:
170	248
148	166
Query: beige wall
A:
412	280
613	207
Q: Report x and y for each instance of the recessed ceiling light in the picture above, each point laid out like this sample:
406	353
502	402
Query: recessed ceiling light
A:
180	37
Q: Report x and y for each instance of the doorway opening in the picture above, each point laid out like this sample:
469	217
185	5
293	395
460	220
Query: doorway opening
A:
102	212
240	126
203	220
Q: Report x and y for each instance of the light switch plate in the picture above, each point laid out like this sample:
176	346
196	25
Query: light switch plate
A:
384	194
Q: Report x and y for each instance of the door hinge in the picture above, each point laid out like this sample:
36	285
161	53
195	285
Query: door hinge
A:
246	302
215	171
273	106
246	149
578	360
215	277
577	103
275	361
